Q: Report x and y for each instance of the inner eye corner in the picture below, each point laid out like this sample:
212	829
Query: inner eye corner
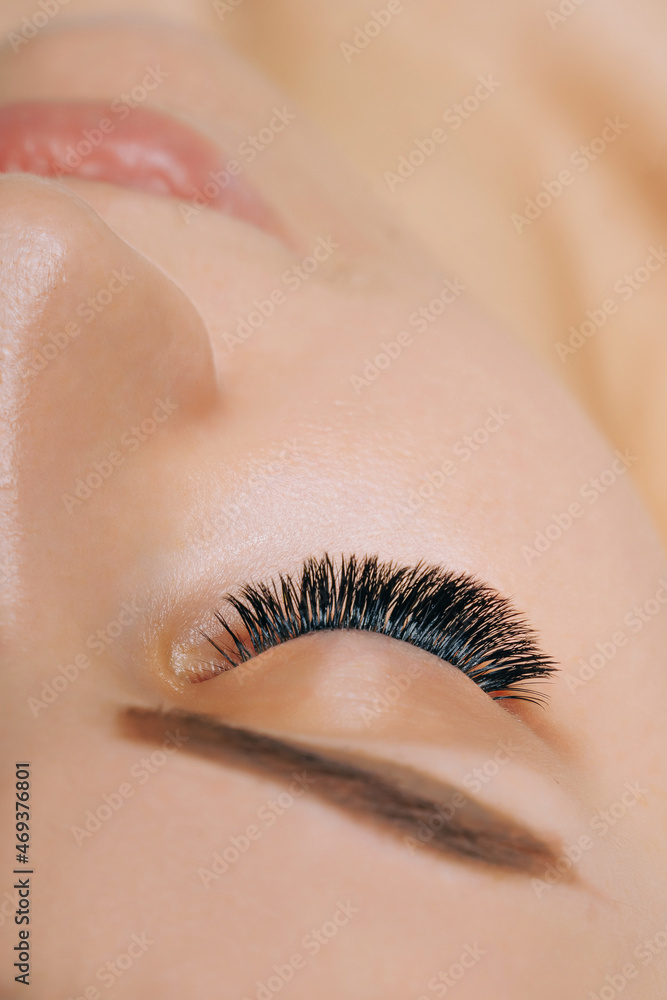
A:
211	651
193	660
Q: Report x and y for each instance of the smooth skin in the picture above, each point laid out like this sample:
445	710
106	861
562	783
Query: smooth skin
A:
523	92
263	453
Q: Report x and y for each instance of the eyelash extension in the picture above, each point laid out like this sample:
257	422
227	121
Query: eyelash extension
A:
451	615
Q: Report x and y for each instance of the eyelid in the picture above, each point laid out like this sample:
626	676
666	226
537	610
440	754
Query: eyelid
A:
451	615
400	796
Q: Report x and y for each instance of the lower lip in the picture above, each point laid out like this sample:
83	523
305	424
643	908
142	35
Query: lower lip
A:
134	148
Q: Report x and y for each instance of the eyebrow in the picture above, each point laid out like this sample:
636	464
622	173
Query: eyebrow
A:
392	795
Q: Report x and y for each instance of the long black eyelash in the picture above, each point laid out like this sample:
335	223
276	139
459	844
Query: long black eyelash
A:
451	615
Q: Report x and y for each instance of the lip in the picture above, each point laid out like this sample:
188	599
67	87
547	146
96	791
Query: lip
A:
136	148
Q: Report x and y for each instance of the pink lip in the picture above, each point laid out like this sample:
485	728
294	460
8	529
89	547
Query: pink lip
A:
133	147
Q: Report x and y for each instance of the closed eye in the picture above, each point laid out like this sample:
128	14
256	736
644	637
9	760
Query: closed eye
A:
450	615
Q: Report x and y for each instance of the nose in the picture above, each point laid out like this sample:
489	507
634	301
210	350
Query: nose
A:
101	353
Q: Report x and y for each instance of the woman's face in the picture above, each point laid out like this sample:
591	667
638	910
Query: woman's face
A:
195	398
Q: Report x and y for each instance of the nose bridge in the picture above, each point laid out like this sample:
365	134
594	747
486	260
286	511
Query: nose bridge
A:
96	342
32	266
